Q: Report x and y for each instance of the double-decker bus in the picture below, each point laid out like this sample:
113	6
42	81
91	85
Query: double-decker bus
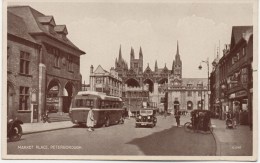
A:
107	109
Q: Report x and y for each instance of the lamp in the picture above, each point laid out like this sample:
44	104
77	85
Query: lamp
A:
200	67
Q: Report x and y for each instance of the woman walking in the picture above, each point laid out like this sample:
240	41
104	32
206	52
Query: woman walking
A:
90	120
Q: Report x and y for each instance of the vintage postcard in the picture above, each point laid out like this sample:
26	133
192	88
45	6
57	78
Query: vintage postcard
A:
130	80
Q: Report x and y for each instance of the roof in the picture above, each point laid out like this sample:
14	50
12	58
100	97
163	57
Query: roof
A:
16	26
46	19
102	95
238	32
34	22
100	70
61	28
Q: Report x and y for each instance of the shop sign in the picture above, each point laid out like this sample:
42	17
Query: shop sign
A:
232	95
240	94
52	99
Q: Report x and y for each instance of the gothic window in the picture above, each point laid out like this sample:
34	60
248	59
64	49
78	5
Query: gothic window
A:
24	62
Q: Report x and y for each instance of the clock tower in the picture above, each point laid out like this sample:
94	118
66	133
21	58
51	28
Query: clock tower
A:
176	74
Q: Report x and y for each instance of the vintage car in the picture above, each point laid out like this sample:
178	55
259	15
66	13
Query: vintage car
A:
146	117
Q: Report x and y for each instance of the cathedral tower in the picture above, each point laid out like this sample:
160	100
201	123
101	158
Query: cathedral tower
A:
177	64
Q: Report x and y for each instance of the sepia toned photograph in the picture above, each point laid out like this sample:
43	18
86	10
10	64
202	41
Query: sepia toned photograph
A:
130	80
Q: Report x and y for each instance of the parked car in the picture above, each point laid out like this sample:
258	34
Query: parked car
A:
146	117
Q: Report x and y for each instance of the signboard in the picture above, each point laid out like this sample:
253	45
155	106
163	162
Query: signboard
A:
52	100
240	94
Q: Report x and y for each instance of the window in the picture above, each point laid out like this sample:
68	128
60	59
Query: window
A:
199	85
199	93
99	80
189	85
238	56
84	103
244	76
244	51
70	63
189	93
56	54
24	98
24	62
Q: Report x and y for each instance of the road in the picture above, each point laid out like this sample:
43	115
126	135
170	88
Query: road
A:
165	139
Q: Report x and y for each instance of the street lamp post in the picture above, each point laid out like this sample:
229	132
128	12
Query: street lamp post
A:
200	67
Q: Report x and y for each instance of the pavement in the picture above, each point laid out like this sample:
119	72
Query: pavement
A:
230	142
29	128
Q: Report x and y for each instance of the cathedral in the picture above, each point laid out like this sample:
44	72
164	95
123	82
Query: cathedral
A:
183	93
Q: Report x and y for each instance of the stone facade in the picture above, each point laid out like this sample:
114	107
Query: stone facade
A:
157	81
104	81
40	58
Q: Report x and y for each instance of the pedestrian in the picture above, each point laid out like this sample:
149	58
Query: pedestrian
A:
90	120
177	117
165	114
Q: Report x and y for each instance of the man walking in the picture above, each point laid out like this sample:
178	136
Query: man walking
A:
177	117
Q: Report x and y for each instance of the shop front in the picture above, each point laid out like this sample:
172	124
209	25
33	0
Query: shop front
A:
239	106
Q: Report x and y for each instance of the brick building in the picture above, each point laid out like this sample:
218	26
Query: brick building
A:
41	60
235	75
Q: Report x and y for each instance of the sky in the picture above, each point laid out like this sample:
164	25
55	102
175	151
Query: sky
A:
99	28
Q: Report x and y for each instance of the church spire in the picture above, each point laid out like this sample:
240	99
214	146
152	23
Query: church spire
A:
177	56
177	52
140	53
120	54
132	54
155	67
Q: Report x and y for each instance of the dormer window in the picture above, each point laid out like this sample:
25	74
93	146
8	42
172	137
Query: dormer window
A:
189	85
61	30
199	85
48	22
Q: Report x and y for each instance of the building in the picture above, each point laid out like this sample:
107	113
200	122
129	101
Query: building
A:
234	71
239	74
104	81
183	93
41	60
135	98
215	88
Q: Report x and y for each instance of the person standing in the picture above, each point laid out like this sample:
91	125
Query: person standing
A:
177	117
90	120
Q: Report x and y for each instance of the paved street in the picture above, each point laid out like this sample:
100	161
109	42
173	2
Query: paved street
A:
164	139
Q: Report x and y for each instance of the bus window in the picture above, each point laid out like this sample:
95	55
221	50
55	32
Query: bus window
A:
91	103
79	103
87	103
102	104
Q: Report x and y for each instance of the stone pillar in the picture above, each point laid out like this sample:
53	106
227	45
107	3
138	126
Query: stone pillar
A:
42	85
60	104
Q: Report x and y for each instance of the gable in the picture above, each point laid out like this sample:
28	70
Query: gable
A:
99	70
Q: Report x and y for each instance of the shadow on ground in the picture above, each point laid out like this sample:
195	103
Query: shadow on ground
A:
176	142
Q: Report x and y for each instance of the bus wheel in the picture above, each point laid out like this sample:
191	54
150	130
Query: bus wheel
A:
121	121
107	122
